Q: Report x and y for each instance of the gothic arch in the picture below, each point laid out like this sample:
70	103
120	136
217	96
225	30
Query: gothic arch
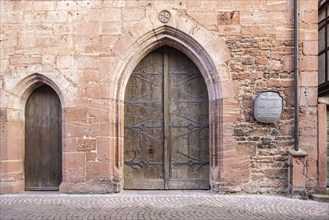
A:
14	144
167	35
170	36
25	87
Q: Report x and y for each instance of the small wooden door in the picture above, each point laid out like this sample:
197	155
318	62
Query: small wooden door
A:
166	124
327	146
43	144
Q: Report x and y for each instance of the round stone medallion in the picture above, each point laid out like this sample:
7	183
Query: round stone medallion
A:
164	16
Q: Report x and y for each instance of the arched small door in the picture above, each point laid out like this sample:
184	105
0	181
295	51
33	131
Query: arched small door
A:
327	146
166	124
43	140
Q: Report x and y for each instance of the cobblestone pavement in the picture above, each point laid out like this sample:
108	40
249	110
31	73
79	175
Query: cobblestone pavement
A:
158	205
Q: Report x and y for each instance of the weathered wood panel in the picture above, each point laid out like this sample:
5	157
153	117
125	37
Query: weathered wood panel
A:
166	124
144	125
327	146
43	144
189	141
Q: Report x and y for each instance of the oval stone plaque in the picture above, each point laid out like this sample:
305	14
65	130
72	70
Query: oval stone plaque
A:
268	107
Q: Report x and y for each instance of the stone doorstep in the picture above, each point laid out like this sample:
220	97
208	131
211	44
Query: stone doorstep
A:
324	197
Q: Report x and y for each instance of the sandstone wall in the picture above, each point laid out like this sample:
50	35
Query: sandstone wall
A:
86	50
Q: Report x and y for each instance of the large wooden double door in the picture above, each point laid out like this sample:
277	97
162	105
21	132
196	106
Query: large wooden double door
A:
166	124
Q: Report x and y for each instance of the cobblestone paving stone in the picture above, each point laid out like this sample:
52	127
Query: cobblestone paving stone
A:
191	205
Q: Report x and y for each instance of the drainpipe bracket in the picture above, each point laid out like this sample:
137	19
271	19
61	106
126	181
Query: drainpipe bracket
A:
299	153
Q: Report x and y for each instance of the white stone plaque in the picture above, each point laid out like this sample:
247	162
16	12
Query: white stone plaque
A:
268	107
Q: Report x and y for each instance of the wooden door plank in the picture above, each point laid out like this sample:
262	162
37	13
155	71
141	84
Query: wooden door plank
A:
143	131
189	138
166	93
43	166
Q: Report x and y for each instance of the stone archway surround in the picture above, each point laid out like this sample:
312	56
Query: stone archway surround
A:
13	119
223	104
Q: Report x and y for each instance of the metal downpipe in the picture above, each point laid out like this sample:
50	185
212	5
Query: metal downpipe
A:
296	72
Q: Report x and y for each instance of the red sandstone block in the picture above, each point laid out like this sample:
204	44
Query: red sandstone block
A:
111	14
95	90
76	114
97	114
288	63
106	130
69	144
43	5
208	20
74	167
115	4
48	59
274	5
34	16
308	26
308	96
309	63
309	16
230	90
109	40
20	5
229	30
26	39
87	40
307	143
308	79
88	28
306	34
11	17
14	149
298	172
90	157
56	16
65	62
219	51
73	130
308	4
254	17
275	65
21	59
45	41
281	17
283	32
258	30
322	145
310	48
134	14
123	45
60	29
312	169
87	62
66	5
90	75
175	4
111	28
98	171
89	4
246	149
194	5
15	129
105	149
280	83
14	166
7	5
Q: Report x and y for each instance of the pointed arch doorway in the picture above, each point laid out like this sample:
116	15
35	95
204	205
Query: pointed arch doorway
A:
166	124
43	140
